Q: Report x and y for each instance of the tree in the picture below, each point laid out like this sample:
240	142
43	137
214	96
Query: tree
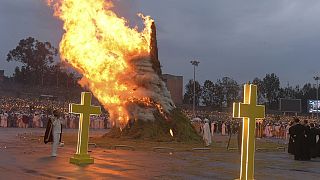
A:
271	85
208	93
231	90
307	92
188	96
35	56
219	94
260	89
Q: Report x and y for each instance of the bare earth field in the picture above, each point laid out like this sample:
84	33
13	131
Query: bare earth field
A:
24	156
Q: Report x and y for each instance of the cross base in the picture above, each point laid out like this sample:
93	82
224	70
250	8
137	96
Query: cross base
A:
79	159
243	179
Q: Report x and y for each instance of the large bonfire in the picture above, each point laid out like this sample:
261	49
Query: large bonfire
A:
118	63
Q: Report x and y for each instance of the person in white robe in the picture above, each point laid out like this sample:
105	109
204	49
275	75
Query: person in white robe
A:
223	131
287	132
20	122
36	120
56	123
97	122
206	133
72	121
212	128
101	122
4	120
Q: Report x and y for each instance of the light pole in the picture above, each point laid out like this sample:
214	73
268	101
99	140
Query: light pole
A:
317	78
194	63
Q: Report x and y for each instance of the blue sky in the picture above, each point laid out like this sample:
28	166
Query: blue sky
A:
241	39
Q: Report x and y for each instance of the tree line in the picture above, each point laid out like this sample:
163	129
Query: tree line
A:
225	91
37	65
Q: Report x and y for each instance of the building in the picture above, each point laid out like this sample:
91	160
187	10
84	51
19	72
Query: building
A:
175	86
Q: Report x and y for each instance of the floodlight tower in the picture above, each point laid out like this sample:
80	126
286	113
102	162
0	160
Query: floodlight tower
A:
195	64
317	78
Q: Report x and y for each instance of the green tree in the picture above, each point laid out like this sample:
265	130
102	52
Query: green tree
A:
271	85
260	89
231	90
35	56
208	93
308	92
188	96
219	94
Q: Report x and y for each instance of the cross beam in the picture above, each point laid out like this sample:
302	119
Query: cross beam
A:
249	111
85	109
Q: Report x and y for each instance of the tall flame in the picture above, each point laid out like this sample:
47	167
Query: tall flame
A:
113	58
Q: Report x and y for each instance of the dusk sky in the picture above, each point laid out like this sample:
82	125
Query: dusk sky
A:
240	39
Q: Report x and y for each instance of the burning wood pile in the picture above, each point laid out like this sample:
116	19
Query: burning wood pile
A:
119	64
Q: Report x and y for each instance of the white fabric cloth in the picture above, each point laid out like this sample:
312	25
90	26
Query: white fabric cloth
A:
4	120
101	123
55	144
287	132
212	129
56	123
223	131
36	120
207	134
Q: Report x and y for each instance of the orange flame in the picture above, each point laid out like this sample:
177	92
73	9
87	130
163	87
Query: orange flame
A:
103	48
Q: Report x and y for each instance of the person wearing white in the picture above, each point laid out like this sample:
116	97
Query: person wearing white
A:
36	120
223	131
212	129
101	122
56	123
206	132
20	122
72	121
4	120
287	132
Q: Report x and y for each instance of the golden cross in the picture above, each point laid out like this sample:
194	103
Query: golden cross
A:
85	109
249	111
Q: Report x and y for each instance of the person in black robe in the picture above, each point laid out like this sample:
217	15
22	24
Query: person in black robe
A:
312	139
291	143
299	139
306	142
318	143
48	136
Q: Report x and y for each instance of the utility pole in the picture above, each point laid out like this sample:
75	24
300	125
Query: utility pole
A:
317	78
195	64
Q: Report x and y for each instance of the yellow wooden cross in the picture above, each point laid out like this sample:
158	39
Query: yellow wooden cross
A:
85	109
249	111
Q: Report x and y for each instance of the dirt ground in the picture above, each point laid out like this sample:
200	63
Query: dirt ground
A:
24	156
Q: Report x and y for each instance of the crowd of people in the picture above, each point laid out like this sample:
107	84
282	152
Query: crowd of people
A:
304	141
34	113
302	134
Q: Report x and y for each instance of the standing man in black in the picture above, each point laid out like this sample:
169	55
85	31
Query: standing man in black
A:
313	140
298	135
291	143
307	141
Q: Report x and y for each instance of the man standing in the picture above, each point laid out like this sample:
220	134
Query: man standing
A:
223	129
4	120
290	134
206	132
313	140
56	124
298	134
307	141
